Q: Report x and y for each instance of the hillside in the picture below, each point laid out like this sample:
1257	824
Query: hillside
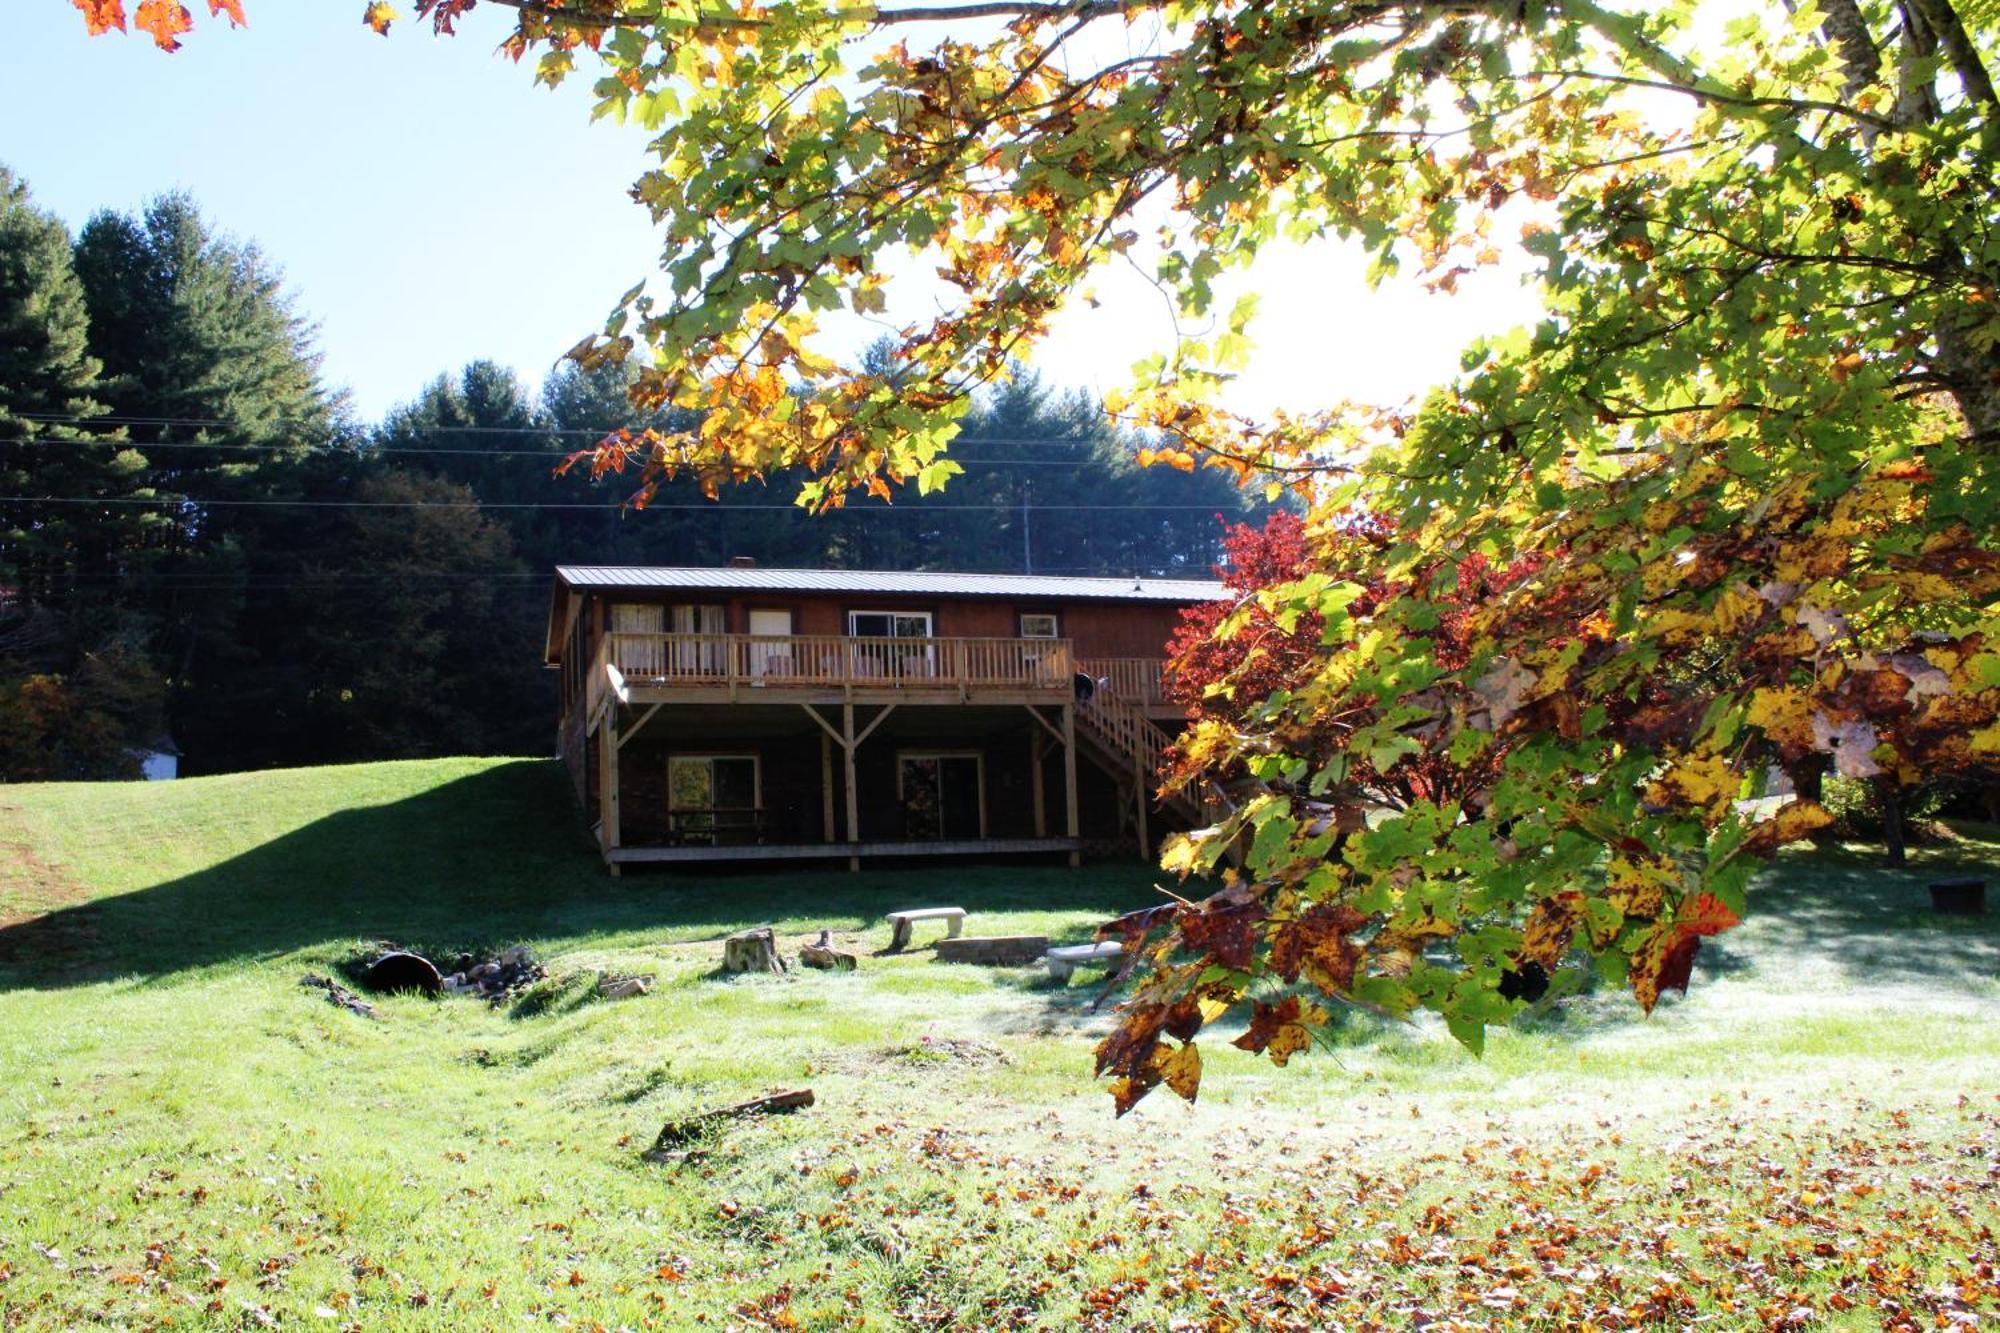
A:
187	1133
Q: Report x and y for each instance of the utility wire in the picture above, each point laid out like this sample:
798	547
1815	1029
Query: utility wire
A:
711	507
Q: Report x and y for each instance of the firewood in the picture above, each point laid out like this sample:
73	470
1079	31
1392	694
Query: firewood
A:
826	959
677	1132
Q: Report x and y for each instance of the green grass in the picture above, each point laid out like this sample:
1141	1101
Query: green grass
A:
187	1137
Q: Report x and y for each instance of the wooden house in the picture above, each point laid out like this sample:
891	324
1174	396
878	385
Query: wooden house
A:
745	713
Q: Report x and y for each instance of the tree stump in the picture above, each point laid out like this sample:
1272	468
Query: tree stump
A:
751	951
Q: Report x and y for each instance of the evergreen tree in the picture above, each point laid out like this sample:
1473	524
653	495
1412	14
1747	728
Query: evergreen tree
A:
77	695
206	358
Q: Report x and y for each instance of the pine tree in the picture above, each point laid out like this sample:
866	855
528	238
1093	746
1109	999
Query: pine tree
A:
205	357
52	549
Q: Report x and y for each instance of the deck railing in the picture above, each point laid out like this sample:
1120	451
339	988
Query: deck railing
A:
1136	679
840	660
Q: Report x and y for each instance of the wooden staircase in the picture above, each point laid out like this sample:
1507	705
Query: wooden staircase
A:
1116	734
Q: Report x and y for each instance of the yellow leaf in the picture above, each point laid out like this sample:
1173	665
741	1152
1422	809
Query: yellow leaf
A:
1181	1070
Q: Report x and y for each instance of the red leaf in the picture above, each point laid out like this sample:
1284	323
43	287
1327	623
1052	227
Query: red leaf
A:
1317	943
1705	914
1224	926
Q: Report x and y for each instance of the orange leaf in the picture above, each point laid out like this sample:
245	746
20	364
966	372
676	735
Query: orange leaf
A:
233	8
101	16
379	15
166	20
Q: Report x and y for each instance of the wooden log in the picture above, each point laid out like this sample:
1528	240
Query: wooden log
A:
677	1132
827	959
752	951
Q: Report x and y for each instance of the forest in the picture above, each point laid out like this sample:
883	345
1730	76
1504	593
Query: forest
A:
204	547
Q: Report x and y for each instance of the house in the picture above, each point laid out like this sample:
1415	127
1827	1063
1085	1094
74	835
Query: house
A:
745	713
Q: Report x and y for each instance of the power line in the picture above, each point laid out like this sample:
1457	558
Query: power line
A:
581	432
711	507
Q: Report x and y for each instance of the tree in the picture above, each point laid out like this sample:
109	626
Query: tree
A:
51	548
78	696
203	352
1756	429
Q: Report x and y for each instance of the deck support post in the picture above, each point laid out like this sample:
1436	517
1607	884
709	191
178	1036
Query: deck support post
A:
1139	806
607	783
853	796
1069	774
1039	796
826	784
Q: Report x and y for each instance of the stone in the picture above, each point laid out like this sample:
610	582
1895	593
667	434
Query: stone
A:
993	950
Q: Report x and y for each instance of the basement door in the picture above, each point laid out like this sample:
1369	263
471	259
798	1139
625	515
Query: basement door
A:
943	795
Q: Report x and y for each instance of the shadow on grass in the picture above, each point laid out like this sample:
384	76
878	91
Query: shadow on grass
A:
494	857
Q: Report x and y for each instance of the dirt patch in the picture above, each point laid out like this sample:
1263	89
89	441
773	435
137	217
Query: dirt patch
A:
31	887
938	1053
45	917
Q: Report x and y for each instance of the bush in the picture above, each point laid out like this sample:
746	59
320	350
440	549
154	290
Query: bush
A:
1857	806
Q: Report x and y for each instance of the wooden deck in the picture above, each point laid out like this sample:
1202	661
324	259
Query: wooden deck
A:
826	668
834	851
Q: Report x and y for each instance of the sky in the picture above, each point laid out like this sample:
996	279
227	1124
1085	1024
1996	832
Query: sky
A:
429	206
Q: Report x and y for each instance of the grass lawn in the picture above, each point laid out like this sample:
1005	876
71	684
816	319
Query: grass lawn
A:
190	1139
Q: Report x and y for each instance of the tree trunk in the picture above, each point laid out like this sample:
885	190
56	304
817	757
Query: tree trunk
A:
1890	797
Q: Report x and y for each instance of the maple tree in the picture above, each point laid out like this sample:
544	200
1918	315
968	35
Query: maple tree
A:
1747	455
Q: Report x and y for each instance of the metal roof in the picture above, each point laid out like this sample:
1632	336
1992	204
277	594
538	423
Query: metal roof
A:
888	582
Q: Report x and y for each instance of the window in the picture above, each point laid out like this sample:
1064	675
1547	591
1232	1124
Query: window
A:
889	661
889	624
1039	625
943	794
713	797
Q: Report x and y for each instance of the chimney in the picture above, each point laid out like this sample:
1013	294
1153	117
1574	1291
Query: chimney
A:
743	562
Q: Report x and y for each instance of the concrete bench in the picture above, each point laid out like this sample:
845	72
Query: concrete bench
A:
953	917
1066	960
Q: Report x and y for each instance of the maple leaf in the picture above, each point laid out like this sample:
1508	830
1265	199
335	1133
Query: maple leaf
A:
101	16
1663	961
379	15
1281	1030
1317	943
1698	781
1224	926
1799	819
1546	935
232	8
1180	1069
1705	914
166	20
